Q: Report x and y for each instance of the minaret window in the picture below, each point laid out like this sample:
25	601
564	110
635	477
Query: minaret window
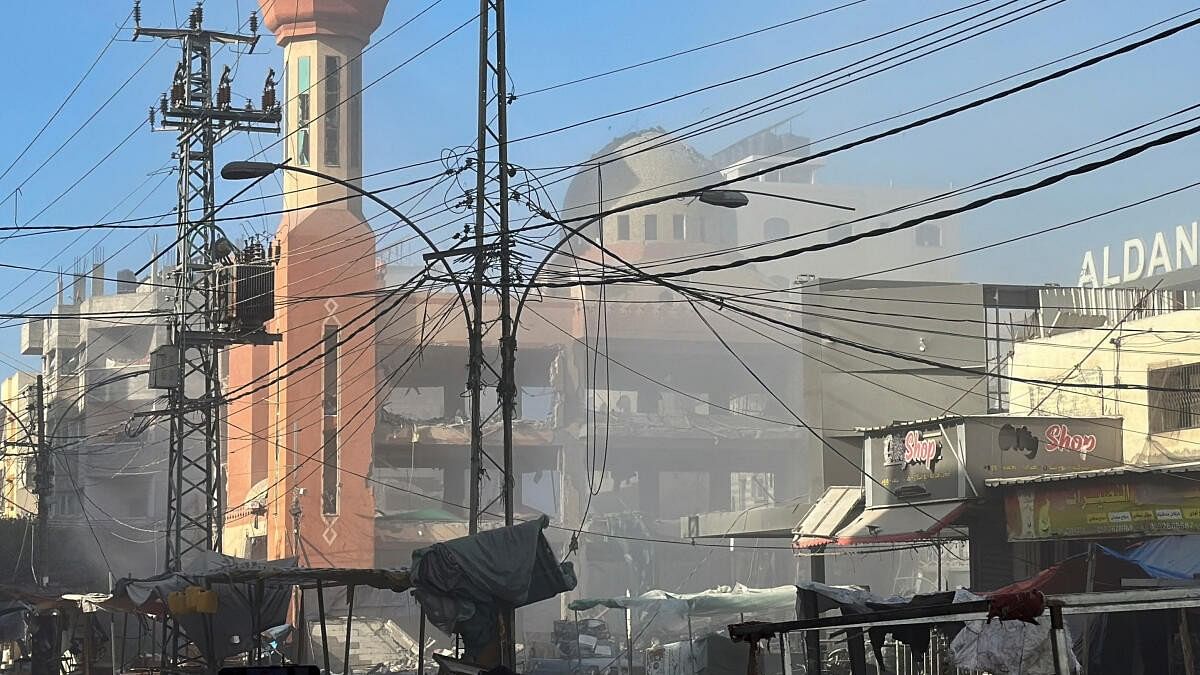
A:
333	110
303	109
623	227
355	130
329	423
678	226
651	227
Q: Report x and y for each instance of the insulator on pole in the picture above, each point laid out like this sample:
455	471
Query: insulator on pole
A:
254	23
137	13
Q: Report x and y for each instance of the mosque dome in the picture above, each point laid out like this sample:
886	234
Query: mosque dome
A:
644	165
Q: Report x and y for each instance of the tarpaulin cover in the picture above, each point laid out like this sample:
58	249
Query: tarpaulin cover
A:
1005	646
995	646
1070	575
462	584
673	609
834	510
394	580
237	606
901	523
1175	554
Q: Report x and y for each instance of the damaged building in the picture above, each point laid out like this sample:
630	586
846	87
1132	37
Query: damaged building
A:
108	480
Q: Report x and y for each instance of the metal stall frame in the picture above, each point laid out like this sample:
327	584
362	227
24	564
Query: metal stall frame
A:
1057	606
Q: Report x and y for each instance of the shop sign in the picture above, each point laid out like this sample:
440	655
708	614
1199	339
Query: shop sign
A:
913	466
1103	508
911	449
1015	447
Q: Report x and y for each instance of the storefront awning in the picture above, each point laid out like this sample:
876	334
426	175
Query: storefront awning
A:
837	507
901	523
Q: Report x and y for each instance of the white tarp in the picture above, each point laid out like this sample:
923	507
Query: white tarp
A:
1006	646
675	608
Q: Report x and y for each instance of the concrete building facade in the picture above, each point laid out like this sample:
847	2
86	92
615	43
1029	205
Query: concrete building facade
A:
1154	347
109	476
901	255
16	498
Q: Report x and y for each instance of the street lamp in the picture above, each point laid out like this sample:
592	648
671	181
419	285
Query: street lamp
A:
246	170
727	199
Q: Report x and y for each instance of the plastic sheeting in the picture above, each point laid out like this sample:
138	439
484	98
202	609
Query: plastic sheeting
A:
674	608
237	606
995	646
1179	555
1005	646
462	584
1070	575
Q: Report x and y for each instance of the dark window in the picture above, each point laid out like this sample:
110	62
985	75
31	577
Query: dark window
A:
838	231
929	235
331	370
1174	410
679	226
356	114
623	228
333	110
775	228
329	423
256	548
696	230
651	224
303	110
329	470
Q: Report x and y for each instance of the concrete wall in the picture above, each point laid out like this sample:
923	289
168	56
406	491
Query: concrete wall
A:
16	500
760	221
1089	356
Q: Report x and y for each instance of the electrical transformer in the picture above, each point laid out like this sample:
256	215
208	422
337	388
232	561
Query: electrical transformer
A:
248	289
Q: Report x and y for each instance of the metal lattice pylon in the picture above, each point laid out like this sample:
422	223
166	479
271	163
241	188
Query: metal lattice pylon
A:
194	508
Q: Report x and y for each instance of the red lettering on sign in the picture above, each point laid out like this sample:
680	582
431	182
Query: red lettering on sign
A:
1060	439
918	450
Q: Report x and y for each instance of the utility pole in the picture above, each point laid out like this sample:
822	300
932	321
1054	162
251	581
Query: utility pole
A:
44	479
492	65
202	325
475	339
507	389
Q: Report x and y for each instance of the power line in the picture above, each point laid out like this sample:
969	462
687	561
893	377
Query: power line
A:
1058	159
1029	84
912	222
70	94
691	50
758	73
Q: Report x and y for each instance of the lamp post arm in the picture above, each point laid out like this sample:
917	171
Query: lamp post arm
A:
395	212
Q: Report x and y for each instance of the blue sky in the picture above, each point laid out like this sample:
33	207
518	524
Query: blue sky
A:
428	105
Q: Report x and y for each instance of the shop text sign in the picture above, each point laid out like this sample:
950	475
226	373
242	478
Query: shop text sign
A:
1058	438
1014	447
1136	259
911	449
1097	508
913	465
